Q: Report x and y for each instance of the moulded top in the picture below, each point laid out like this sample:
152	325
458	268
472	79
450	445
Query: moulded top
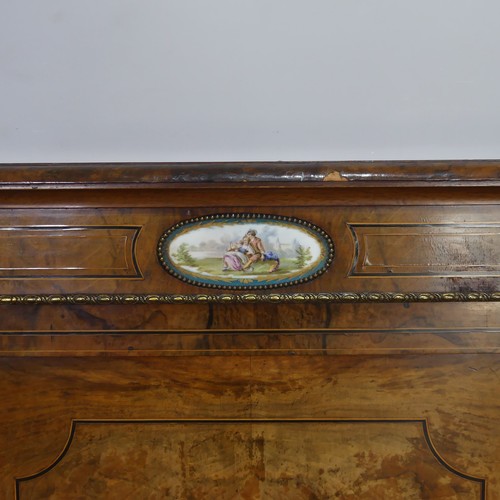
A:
326	174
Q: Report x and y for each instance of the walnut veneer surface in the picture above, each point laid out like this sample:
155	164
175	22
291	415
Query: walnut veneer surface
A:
378	379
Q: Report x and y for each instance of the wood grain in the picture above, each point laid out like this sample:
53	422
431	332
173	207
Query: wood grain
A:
453	393
431	249
251	400
36	252
334	221
363	459
77	175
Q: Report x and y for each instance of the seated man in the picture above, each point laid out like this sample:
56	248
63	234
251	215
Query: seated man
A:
259	252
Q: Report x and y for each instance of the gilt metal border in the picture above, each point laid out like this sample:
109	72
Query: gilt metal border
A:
248	298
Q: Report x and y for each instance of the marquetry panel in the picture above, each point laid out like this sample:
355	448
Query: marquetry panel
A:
250	459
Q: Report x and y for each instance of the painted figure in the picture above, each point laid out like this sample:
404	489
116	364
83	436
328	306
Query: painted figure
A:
258	252
245	252
237	255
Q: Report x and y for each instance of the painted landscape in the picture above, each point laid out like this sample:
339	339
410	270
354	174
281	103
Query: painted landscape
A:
241	253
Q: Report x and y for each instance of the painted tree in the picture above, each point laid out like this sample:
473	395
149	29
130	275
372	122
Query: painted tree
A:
303	255
183	256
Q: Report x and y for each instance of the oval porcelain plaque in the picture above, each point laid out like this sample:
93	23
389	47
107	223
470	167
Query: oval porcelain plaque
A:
245	251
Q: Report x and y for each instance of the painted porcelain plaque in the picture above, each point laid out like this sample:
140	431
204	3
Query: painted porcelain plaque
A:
245	251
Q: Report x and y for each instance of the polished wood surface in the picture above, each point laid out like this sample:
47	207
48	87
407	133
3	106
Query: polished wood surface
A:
387	397
118	253
252	459
344	174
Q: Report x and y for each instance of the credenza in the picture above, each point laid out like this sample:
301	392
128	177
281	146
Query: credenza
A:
250	331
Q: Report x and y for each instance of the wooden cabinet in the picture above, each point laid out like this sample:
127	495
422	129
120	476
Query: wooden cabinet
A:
365	366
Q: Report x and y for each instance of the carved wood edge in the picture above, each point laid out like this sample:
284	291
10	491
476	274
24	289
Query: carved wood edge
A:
248	298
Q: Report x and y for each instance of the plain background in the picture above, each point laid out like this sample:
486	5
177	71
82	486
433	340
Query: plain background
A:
225	80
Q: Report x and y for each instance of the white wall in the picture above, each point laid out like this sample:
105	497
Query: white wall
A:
210	80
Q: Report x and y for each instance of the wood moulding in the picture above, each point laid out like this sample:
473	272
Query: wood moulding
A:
339	173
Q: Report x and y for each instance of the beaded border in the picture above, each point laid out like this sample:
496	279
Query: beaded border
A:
244	217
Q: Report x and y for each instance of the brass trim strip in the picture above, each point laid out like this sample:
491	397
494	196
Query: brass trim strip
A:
248	298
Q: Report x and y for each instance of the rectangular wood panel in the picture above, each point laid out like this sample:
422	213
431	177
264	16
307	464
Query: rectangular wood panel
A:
321	459
426	249
68	252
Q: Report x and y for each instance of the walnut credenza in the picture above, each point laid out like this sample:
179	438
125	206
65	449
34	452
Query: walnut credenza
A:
133	368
